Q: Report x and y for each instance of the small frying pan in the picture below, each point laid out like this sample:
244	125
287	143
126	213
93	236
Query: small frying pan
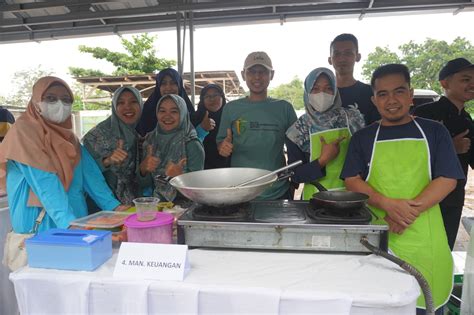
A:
337	200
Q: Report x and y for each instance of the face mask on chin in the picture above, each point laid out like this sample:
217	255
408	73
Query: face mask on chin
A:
321	102
56	112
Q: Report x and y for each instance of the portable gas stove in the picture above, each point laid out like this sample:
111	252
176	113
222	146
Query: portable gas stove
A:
279	225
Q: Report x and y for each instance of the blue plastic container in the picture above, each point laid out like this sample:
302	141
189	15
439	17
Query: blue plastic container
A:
69	249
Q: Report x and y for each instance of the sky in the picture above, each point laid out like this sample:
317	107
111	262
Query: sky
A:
294	47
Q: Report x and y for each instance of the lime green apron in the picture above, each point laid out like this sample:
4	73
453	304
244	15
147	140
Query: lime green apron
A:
333	169
402	169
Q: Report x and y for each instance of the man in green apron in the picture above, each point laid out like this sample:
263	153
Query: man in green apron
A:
407	166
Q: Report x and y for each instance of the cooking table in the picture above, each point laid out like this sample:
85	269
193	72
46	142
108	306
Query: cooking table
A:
231	282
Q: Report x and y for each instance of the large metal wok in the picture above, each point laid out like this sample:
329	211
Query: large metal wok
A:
218	187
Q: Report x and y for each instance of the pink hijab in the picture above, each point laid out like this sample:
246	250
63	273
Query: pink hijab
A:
36	142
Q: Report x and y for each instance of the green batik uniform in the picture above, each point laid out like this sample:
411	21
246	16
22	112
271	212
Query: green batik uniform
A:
401	169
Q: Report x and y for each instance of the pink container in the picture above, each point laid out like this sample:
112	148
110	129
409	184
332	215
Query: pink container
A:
159	230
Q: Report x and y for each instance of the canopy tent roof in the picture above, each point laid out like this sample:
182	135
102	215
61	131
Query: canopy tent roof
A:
227	79
37	20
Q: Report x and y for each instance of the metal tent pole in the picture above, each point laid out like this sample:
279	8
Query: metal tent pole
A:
191	55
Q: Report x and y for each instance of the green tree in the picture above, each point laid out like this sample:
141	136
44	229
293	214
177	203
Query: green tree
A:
140	58
81	72
291	92
23	81
81	91
380	56
424	60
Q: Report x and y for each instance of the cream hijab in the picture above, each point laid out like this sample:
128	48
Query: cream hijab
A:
41	144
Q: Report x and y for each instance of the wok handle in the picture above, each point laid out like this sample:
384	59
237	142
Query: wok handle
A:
163	179
292	165
318	185
284	175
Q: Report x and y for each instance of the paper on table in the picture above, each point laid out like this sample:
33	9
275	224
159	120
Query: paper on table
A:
152	261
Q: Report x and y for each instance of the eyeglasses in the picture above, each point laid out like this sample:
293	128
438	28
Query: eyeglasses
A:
211	96
50	98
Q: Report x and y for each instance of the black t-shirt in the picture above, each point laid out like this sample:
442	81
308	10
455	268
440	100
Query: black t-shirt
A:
213	158
456	122
359	96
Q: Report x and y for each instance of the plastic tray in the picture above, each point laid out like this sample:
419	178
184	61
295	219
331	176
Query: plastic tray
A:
102	220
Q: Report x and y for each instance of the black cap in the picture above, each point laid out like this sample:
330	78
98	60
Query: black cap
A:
454	66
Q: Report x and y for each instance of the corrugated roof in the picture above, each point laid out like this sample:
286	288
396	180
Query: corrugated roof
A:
34	20
227	79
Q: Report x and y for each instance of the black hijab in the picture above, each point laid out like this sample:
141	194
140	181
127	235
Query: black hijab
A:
213	159
148	119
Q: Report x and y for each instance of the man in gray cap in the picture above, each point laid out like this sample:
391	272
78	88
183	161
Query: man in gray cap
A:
457	80
252	129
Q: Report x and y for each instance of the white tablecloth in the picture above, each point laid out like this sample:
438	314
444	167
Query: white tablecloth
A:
231	282
7	294
467	304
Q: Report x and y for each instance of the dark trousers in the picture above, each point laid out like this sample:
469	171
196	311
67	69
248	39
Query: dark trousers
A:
451	218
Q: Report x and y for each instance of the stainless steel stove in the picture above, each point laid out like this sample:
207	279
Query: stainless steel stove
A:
279	225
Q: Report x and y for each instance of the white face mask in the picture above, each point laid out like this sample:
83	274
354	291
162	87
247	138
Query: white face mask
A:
321	102
56	112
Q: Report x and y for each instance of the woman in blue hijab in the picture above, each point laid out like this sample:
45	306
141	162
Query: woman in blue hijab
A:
168	81
320	137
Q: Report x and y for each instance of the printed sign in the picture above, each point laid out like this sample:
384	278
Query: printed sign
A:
152	261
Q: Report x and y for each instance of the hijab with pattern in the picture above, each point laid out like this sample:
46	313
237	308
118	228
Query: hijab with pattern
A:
39	143
313	121
169	146
103	139
148	120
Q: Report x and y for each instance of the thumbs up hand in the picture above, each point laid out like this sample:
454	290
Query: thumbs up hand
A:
175	169
225	147
207	123
118	156
461	144
150	163
329	151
